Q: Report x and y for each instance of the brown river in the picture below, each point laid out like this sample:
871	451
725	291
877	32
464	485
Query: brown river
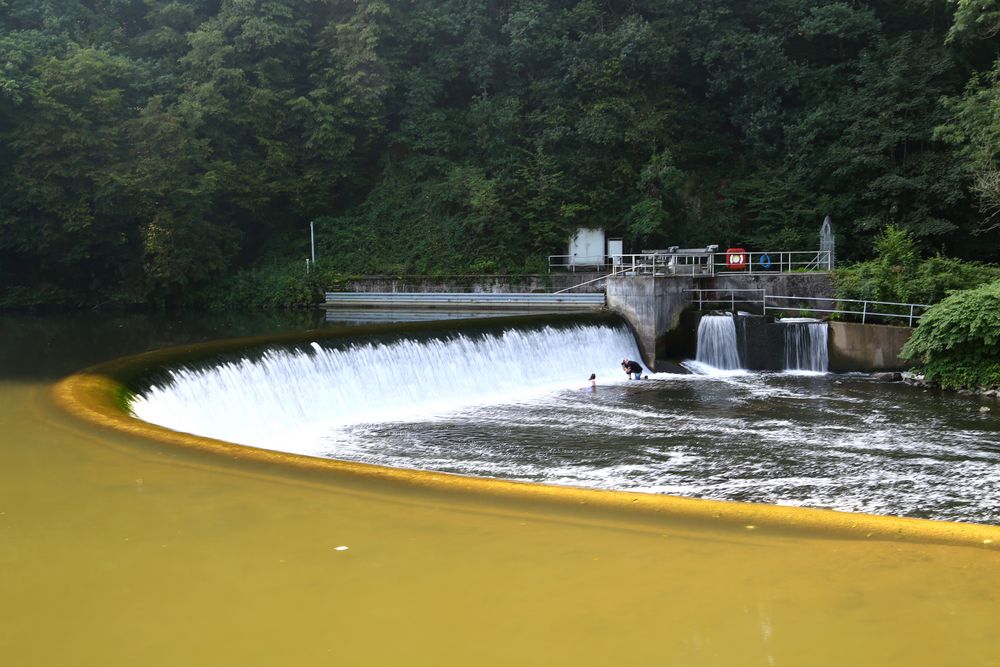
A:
116	550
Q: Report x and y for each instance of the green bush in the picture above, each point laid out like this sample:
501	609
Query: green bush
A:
958	341
898	274
279	284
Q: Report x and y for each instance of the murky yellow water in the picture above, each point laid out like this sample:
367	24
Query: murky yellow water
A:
115	550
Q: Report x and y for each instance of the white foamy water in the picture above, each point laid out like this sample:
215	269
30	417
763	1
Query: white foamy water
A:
805	345
517	406
288	399
717	344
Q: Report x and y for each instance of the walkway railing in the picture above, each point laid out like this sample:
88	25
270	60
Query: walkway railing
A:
700	263
757	300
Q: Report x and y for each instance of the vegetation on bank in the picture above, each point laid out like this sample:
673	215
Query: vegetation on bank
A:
899	274
957	344
174	151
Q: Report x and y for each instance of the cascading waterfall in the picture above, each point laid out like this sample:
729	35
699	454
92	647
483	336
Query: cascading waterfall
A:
805	345
288	398
717	343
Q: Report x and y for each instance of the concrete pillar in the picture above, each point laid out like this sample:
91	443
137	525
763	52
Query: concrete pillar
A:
652	306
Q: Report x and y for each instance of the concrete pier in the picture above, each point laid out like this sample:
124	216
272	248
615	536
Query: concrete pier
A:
653	305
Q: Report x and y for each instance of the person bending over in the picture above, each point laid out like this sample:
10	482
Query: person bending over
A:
632	369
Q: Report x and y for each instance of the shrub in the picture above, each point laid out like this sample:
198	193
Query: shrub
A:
279	284
958	340
898	274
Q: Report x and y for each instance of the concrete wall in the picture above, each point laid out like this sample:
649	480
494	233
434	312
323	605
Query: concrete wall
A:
866	347
546	282
651	305
778	284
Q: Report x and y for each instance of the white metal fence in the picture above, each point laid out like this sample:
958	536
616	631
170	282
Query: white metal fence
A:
702	263
758	300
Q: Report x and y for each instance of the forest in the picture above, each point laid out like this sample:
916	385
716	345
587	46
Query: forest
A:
154	150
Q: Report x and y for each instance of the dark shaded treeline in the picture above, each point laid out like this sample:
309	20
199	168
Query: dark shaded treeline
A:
149	146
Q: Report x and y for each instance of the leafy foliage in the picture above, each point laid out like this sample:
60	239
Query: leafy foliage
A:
898	273
149	149
958	340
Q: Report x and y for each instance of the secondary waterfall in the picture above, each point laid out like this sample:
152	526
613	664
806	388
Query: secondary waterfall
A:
717	343
805	345
290	397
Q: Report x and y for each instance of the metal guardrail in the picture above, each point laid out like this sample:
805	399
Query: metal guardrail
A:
726	296
758	299
702	263
867	308
464	300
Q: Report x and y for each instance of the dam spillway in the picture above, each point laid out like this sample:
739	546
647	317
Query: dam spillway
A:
515	405
260	401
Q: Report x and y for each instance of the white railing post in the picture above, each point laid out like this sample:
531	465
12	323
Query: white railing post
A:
864	312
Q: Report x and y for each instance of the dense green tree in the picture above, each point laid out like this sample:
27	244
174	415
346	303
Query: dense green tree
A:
151	146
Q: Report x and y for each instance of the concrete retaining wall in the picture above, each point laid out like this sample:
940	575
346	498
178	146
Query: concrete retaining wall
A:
779	284
653	305
866	347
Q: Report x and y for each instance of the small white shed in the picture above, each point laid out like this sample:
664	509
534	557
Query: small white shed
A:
587	248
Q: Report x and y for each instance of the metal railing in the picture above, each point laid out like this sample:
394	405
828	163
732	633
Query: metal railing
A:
750	298
911	312
758	300
614	272
695	263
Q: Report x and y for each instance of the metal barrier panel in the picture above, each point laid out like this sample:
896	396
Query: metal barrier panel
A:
589	300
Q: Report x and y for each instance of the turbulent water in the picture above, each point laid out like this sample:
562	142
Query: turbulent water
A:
517	406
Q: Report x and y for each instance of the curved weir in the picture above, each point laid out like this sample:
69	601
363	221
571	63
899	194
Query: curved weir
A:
299	395
515	405
354	553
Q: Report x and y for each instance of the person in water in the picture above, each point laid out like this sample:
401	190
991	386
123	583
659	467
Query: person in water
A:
632	369
593	382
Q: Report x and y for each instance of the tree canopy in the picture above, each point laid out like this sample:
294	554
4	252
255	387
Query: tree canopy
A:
148	146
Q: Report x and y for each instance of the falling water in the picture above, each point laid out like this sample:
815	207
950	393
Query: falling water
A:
717	343
289	397
805	345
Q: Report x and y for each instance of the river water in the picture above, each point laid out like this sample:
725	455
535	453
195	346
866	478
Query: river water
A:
510	405
118	551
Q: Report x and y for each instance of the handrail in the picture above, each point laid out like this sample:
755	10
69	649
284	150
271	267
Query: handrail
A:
911	316
613	273
732	296
688	262
865	313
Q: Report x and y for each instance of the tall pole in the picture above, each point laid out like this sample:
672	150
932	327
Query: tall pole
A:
312	241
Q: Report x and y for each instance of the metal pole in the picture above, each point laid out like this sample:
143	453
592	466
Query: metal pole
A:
864	312
312	241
